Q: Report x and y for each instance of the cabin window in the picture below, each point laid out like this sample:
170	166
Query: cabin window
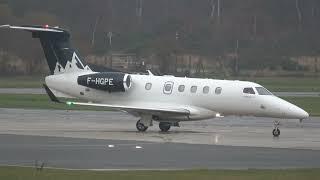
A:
218	90
181	88
168	87
248	91
263	91
193	89
206	90
148	86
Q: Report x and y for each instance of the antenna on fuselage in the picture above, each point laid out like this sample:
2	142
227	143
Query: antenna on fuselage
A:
150	73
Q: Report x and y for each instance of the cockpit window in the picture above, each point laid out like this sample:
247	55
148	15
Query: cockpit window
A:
248	90
263	91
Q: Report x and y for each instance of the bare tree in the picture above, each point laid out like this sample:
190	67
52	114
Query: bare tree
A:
213	7
218	11
254	26
94	31
299	14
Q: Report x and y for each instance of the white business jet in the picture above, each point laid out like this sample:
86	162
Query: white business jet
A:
166	99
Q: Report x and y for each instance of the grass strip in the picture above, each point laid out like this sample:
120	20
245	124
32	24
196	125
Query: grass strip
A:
288	84
21	82
33	101
274	84
309	104
15	173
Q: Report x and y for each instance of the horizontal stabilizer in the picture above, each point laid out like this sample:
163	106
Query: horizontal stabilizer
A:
34	28
55	41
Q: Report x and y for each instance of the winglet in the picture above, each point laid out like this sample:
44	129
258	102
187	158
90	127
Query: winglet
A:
50	94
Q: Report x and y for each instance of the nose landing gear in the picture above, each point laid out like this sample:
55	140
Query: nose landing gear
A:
276	130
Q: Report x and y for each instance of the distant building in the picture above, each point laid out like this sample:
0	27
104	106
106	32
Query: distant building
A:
311	62
195	64
123	61
118	61
12	64
181	64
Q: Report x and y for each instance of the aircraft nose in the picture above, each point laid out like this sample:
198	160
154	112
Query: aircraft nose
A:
297	112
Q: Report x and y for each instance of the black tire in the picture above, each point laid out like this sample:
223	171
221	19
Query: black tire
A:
164	126
141	127
276	132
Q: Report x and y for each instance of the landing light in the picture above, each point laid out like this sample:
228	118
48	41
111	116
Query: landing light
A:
46	26
219	115
70	103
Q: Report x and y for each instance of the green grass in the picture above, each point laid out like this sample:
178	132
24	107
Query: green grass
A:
21	82
309	104
288	84
30	101
17	173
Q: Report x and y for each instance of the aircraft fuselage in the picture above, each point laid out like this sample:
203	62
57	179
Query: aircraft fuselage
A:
209	96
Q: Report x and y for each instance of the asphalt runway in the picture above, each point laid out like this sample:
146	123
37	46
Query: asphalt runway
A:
109	140
75	153
42	91
230	131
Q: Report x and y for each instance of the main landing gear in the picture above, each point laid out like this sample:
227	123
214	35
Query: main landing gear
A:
141	127
276	130
164	126
143	124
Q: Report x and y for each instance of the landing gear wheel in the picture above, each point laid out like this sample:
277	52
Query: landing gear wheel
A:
276	132
141	127
164	126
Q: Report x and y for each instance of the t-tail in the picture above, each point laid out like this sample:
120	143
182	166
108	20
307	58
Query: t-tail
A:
60	55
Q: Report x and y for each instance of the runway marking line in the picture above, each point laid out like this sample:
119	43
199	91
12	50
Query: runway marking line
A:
93	145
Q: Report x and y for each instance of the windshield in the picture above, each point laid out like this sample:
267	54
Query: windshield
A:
263	91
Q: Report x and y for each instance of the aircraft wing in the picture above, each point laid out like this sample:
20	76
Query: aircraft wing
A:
142	109
129	108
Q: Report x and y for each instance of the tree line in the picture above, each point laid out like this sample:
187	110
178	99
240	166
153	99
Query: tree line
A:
262	33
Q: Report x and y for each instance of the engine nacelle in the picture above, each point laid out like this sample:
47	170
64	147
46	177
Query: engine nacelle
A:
106	81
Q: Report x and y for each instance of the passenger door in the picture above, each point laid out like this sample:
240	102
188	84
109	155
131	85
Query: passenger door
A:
167	88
